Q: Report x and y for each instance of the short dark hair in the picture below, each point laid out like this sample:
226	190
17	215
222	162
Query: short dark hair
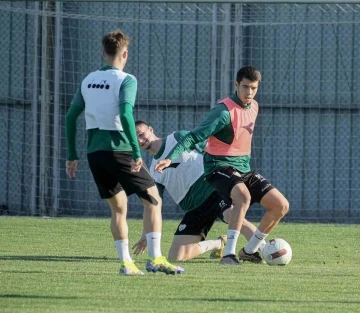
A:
114	41
140	122
249	72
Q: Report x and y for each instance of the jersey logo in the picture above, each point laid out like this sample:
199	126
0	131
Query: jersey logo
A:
182	227
249	127
98	85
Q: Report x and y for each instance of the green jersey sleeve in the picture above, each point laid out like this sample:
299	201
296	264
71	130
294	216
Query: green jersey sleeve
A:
200	147
217	119
70	130
127	96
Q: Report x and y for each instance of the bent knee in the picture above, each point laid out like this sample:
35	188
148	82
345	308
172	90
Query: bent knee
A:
240	193
283	208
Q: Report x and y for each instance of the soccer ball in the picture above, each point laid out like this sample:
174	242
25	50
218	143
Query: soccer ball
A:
277	252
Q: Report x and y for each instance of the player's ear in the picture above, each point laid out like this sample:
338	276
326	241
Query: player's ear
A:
151	129
125	54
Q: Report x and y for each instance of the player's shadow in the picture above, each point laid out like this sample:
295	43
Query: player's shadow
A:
18	296
53	258
261	300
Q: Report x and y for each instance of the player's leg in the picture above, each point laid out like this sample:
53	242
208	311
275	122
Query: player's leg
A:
276	207
229	183
247	229
120	232
185	247
152	224
190	236
152	220
101	164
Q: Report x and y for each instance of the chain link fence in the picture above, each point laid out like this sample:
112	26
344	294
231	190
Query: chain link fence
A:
185	57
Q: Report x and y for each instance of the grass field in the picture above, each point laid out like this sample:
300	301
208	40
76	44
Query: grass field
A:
70	265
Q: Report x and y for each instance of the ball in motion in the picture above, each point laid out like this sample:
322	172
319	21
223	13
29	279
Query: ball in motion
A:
277	252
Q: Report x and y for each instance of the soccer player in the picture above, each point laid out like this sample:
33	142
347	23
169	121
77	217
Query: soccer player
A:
185	182
108	97
229	128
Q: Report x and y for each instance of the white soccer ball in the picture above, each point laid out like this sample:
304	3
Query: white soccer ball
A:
277	252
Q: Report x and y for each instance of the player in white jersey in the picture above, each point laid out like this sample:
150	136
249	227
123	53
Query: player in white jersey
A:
108	96
184	181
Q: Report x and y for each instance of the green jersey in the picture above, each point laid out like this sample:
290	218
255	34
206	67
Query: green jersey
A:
184	180
108	97
217	123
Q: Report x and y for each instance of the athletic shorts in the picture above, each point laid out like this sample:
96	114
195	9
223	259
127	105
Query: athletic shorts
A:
112	173
225	178
199	221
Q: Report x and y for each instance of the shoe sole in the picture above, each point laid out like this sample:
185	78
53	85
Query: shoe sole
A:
155	270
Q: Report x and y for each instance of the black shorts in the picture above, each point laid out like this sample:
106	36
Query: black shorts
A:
112	173
225	178
198	222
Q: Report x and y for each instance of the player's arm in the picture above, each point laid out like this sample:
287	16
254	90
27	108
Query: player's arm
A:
200	147
76	107
127	96
215	121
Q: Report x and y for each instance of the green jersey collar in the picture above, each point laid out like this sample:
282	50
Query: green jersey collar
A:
161	150
235	98
109	67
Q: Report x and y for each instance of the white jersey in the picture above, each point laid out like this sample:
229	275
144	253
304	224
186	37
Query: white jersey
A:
100	90
181	174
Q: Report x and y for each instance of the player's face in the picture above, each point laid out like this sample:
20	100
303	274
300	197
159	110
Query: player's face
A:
145	136
246	90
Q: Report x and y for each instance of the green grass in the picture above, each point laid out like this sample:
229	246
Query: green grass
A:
70	265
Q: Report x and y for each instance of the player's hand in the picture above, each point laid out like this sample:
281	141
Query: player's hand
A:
162	164
71	168
136	165
140	246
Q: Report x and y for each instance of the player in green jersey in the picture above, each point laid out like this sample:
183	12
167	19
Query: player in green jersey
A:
108	96
185	183
229	129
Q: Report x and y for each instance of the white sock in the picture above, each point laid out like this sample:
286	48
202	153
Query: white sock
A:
255	242
122	248
209	245
232	237
153	242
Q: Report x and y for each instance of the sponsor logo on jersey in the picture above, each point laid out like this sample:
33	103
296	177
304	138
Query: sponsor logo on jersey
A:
102	84
182	227
249	127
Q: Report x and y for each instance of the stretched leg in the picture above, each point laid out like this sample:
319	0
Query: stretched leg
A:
276	207
120	232
152	221
247	229
118	224
152	224
184	247
241	200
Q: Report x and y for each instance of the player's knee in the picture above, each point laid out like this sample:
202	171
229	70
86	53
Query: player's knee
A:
283	208
240	194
